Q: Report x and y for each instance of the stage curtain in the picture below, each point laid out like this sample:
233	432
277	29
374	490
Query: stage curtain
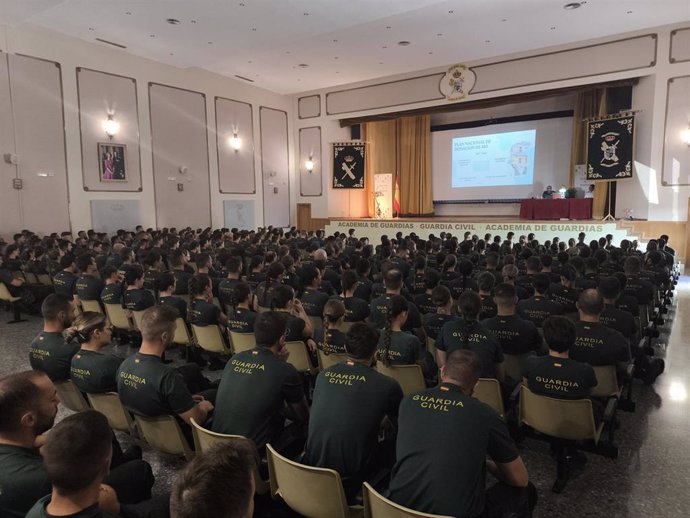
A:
589	104
381	139
414	165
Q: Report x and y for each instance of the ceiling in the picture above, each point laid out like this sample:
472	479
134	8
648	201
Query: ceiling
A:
340	41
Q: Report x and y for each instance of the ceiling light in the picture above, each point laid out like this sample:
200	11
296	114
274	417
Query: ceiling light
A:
403	43
629	12
172	53
129	13
336	57
384	47
572	5
192	21
553	28
254	29
303	65
241	4
487	41
209	43
249	61
152	35
173	21
504	19
306	14
439	34
388	27
91	28
335	41
451	12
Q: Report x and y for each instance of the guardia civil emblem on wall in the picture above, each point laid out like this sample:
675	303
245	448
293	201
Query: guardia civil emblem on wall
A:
610	148
348	165
457	82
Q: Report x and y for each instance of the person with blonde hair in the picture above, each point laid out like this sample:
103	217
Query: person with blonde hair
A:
91	370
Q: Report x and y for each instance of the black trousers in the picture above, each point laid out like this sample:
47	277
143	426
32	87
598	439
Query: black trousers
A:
132	481
504	501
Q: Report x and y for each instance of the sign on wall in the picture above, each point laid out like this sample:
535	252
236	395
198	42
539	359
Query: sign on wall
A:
610	148
348	165
239	214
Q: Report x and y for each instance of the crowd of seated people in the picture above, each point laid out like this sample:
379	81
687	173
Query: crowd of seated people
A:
457	308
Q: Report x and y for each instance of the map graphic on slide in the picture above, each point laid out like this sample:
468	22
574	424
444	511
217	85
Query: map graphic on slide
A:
493	160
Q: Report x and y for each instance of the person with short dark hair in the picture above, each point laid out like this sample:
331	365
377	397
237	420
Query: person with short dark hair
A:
202	310
564	292
434	322
165	283
113	291
444	438
356	309
219	483
424	301
539	307
393	282
49	351
65	280
622	321
313	299
89	284
136	298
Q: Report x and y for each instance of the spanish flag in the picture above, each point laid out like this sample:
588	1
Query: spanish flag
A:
396	196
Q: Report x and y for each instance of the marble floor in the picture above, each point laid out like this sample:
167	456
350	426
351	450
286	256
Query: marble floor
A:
649	478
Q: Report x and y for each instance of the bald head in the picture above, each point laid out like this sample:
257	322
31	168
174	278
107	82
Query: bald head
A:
320	255
590	303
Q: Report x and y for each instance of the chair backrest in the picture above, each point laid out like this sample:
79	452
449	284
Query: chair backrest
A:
561	418
210	339
328	360
431	346
607	382
377	506
488	390
410	377
111	407
44	278
31	278
514	366
311	492
316	322
299	357
242	341
182	333
137	315
91	305
118	317
262	309
345	326
6	295
71	396
163	433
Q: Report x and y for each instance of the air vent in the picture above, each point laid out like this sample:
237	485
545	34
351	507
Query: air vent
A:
111	43
244	78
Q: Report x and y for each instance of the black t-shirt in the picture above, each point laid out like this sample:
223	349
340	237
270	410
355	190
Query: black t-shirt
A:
253	389
89	287
264	293
333	343
566	297
150	279
50	353
597	345
629	303
139	299
461	285
363	289
561	378
639	288
620	320
538	308
150	388
379	309
23	480
39	510
112	294
313	302
489	308
458	334
424	303
434	322
64	283
444	437
356	309
226	291
182	281
202	313
176	302
241	320
516	336
95	373
254	278
416	282
294	329
405	349
350	401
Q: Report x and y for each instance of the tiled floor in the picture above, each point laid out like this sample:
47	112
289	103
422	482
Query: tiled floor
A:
649	478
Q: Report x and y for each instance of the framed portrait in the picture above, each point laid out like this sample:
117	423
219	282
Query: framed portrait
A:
112	162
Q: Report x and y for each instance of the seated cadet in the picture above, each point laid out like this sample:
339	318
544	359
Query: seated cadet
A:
330	339
202	310
89	284
263	292
150	388
241	319
177	261
379	306
350	402
485	285
464	280
532	266
516	335
565	293
364	284
434	322
626	302
113	290
91	370
49	351
218	483
153	266
298	326
467	333
65	280
509	273
313	300
424	301
622	321
259	389
165	283
226	287
416	280
556	375
256	271
539	307
136	298
636	285
28	406
444	437
396	347
356	309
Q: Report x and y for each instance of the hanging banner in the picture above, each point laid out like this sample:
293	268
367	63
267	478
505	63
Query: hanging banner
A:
610	148
383	194
348	165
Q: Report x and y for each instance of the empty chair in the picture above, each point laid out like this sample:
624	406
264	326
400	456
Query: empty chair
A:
91	305
118	317
210	339
328	360
377	506
488	390
299	357
71	396
44	278
163	433
111	407
311	492
13	302
410	377
242	341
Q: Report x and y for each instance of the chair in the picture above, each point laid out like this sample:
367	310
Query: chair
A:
488	390
71	396
566	423
345	327
377	506
299	357
607	382
163	433
31	278
431	347
44	278
242	341
316	322
410	377
137	319
311	492
514	366
13	302
210	339
262	309
111	407
204	440
328	360
118	317
182	333
91	305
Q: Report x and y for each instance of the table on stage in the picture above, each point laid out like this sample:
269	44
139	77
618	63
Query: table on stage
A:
571	208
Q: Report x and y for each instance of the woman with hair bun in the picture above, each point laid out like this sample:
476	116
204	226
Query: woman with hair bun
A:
241	318
330	339
93	371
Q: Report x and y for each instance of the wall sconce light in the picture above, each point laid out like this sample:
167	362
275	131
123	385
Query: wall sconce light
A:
235	142
111	126
309	164
685	136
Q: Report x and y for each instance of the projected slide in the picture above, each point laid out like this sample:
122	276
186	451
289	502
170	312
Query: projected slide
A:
501	159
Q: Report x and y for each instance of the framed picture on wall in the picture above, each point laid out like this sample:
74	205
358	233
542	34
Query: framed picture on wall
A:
112	162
